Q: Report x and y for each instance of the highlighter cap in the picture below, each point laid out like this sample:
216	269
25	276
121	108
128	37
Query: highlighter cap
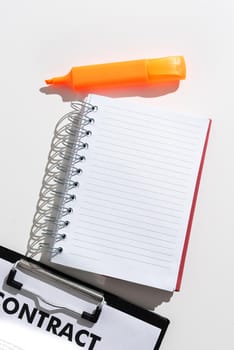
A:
166	68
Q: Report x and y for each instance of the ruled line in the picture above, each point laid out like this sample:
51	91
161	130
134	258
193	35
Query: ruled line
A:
126	257
155	145
133	232
122	257
126	218
132	212
126	225
132	200
84	256
168	155
125	114
101	199
118	236
172	146
126	192
155	160
138	126
100	240
128	183
147	134
157	167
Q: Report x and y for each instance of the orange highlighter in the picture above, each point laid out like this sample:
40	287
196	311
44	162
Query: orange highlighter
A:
123	74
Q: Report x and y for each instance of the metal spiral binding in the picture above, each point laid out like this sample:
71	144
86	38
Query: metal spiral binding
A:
63	166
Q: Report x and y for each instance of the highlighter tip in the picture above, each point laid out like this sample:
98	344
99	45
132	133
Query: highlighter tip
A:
65	80
49	81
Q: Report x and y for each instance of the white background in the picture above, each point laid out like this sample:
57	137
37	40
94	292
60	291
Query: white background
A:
40	39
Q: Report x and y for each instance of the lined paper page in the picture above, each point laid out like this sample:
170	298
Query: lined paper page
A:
133	204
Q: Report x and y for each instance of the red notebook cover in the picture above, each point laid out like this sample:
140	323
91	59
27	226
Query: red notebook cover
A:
185	248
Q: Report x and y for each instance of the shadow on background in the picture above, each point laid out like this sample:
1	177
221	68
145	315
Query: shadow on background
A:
150	90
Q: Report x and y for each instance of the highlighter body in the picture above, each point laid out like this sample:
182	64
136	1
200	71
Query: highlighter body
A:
109	75
123	74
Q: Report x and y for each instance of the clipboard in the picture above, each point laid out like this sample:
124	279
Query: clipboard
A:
64	307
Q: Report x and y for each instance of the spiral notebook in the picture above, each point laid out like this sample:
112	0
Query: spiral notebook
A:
119	191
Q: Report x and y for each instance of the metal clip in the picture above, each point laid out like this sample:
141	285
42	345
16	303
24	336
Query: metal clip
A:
41	273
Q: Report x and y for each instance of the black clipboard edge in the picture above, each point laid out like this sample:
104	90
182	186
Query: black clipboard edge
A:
111	299
140	313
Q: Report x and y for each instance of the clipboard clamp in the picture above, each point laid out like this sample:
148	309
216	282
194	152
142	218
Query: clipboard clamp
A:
38	272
